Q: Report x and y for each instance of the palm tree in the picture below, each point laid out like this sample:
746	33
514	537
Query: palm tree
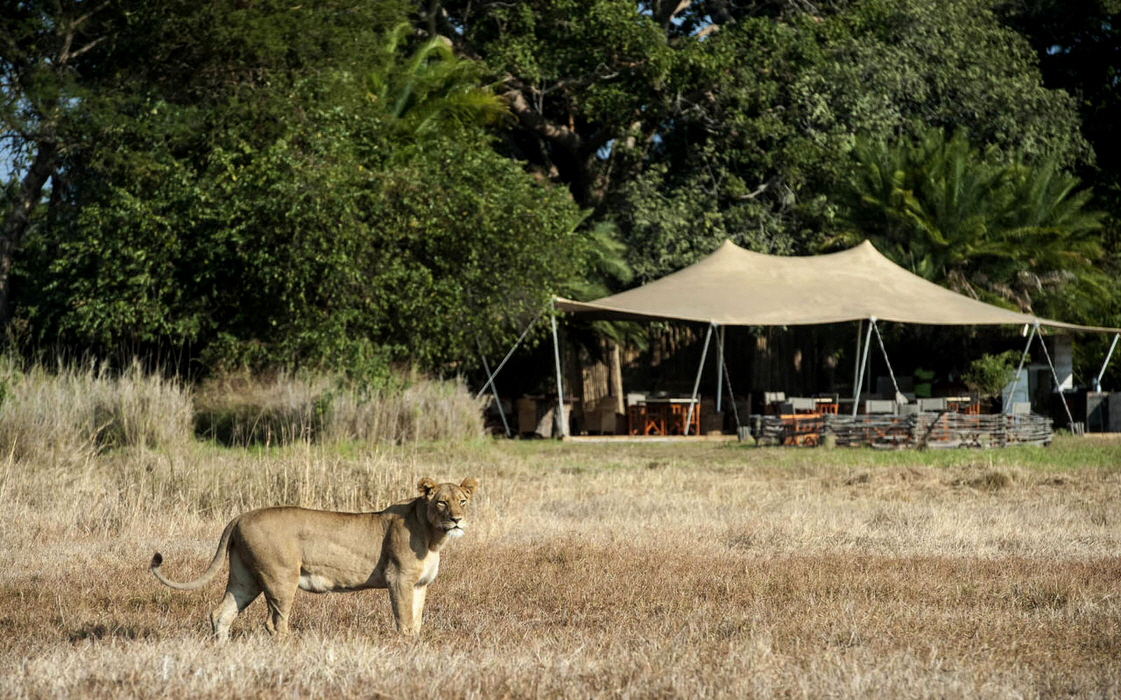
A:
954	214
433	91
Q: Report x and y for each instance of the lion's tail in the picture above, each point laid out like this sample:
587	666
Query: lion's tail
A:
215	564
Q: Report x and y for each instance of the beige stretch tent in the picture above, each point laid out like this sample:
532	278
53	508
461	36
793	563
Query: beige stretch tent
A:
738	287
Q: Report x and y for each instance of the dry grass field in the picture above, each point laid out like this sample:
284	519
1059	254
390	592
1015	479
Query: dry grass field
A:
588	570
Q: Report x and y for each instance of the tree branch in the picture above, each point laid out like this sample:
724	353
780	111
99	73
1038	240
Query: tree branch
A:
19	216
536	122
664	15
71	29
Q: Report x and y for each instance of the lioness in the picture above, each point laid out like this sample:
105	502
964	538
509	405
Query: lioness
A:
277	550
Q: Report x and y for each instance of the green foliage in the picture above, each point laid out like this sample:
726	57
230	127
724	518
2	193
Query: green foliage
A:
1015	233
989	374
320	185
433	91
766	113
305	224
1078	47
947	64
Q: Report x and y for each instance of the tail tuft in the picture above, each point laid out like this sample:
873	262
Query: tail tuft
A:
157	560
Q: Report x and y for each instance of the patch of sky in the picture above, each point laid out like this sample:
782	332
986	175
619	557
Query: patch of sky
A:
604	151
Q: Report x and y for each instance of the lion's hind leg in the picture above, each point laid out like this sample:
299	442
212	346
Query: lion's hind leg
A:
241	590
280	592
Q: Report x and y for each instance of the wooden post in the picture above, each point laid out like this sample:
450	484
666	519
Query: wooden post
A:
615	375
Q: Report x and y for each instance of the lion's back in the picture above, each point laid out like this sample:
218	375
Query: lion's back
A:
292	526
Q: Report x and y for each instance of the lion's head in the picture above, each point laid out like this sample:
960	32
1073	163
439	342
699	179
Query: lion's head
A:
447	504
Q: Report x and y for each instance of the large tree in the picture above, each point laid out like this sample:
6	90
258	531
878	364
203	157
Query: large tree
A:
52	98
1078	46
690	122
311	193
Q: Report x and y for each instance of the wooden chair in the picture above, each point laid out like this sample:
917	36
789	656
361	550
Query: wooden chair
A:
654	419
827	403
636	414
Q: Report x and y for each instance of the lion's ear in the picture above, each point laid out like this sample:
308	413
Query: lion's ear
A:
469	485
427	487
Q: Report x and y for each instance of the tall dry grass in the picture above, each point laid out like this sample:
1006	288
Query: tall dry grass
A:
594	570
72	413
119	447
420	411
284	409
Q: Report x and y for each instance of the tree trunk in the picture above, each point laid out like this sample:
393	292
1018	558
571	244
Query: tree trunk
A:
19	218
615	376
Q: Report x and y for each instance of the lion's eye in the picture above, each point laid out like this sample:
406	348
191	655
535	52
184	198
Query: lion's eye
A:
463	501
442	505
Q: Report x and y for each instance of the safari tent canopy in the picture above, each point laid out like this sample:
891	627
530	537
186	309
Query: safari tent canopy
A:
737	287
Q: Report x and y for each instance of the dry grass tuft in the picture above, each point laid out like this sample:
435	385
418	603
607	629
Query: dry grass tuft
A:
421	411
76	412
282	410
587	572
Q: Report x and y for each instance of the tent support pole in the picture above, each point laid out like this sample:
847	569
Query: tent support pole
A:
490	378
887	361
1019	369
493	388
728	378
1055	376
562	426
697	383
856	373
719	364
863	364
1108	355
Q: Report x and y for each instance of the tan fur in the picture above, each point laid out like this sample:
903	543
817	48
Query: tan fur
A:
277	550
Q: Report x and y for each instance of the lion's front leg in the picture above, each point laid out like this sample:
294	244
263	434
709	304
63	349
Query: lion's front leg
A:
402	597
419	594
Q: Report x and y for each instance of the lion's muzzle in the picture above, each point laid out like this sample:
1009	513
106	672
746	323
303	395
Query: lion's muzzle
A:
454	527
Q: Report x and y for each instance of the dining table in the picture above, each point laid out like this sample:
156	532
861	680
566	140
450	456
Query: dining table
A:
665	416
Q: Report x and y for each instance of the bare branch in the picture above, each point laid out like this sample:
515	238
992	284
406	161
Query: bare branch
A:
87	47
602	72
664	15
710	29
681	7
759	190
537	123
71	29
